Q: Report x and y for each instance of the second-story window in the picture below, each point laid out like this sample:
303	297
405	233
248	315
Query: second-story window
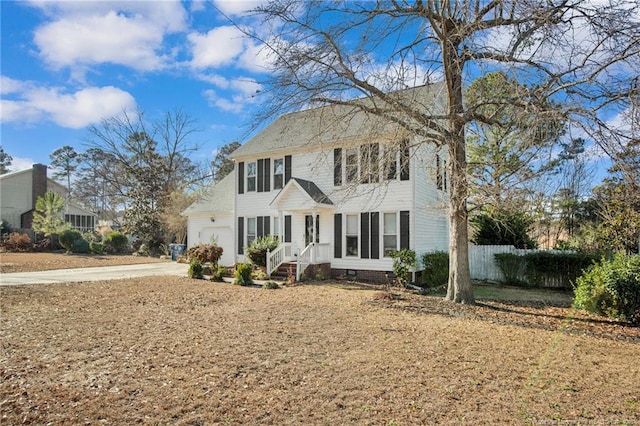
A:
369	169
278	173
351	166
251	176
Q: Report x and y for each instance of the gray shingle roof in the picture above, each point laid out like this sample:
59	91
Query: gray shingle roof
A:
219	198
332	123
314	192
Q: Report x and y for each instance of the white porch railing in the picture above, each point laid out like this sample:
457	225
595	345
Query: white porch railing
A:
276	257
313	253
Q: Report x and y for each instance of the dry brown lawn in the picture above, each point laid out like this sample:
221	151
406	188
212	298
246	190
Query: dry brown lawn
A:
173	350
25	262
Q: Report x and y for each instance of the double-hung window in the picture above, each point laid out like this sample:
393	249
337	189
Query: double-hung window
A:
351	166
352	235
251	176
390	233
278	173
251	229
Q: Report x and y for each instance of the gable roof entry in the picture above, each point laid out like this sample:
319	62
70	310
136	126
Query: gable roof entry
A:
219	198
331	123
309	190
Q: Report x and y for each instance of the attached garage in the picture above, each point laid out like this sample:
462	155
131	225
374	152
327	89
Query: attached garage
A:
210	219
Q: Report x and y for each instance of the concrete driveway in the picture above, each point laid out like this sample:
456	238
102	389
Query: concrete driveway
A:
94	274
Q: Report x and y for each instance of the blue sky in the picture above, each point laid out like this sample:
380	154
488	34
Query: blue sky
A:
66	65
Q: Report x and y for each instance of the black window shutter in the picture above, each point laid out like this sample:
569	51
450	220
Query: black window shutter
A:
337	167
374	164
259	225
364	235
375	235
267	175
404	160
287	169
337	235
240	235
266	225
241	177
404	229
260	175
287	229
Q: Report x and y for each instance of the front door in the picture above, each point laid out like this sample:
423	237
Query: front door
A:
308	229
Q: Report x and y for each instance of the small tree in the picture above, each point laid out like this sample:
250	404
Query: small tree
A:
48	217
5	161
403	262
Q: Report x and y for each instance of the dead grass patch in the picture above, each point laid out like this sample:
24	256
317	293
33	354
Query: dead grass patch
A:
31	262
173	350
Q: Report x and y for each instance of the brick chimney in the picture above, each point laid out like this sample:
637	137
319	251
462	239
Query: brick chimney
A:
38	183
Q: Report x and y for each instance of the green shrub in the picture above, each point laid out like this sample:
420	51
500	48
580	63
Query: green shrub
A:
218	273
270	285
611	288
548	269
5	228
436	269
80	246
115	242
68	238
512	267
96	248
195	269
257	250
403	262
205	253
242	276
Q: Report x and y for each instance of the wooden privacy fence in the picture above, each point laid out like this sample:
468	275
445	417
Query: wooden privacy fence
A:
484	268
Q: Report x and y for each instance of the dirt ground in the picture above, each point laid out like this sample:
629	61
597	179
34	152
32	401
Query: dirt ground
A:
174	350
25	262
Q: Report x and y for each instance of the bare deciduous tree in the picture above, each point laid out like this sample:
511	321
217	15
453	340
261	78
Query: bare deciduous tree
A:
582	55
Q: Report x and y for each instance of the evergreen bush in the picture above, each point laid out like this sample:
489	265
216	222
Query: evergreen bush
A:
512	267
68	238
611	288
195	269
256	251
96	247
242	276
436	269
403	262
80	246
115	242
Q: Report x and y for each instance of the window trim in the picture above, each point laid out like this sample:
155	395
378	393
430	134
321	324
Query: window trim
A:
248	230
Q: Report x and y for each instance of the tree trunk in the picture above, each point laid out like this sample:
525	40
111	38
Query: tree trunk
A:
460	289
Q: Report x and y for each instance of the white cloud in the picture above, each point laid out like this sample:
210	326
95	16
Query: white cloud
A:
32	103
236	7
19	163
219	47
125	33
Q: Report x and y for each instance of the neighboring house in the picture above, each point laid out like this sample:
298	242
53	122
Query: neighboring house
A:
211	220
20	190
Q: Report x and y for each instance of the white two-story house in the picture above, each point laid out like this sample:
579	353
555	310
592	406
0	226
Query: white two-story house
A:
341	188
